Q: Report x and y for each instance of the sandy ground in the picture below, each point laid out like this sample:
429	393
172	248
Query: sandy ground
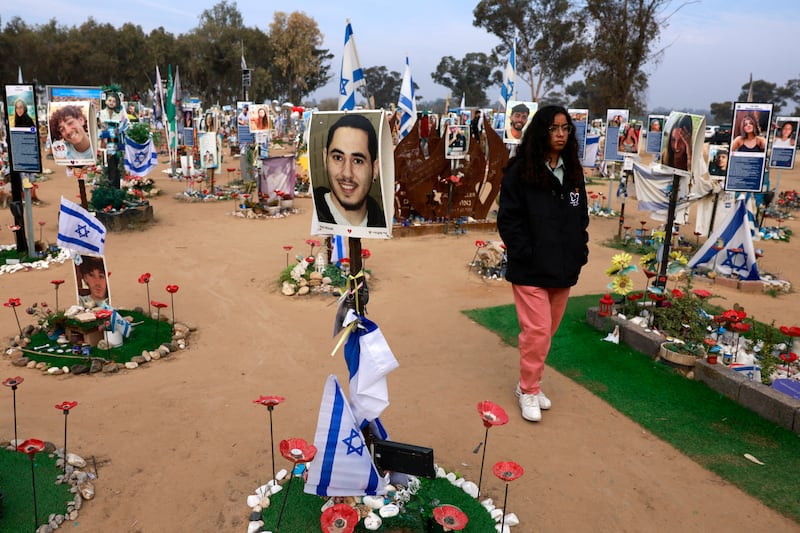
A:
180	444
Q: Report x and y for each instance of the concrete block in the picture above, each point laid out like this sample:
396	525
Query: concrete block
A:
720	378
751	286
647	342
769	403
724	281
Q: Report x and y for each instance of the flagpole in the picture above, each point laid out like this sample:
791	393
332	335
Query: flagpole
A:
661	281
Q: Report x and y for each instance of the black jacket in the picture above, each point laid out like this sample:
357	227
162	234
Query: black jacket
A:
544	231
375	218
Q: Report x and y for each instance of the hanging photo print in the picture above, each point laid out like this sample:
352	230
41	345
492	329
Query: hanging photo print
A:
351	167
655	130
682	144
718	160
580	119
456	141
784	142
748	155
615	120
518	116
23	134
73	132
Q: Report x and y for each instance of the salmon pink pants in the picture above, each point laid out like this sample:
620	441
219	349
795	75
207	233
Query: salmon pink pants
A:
539	312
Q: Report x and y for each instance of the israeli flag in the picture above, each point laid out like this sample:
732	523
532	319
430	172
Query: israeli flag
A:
140	159
509	77
119	323
733	241
407	104
351	77
343	465
79	230
339	249
369	360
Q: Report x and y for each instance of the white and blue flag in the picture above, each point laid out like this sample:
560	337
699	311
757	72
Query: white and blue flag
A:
140	159
118	323
407	103
369	360
352	76
509	77
79	230
339	249
733	240
343	465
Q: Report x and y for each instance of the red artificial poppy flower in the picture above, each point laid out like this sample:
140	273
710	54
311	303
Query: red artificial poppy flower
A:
158	305
31	447
144	278
656	297
702	293
269	401
103	314
15	227
792	331
649	273
492	414
454	179
507	470
13	382
635	296
344	261
339	518
366	254
789	357
593	196
480	244
42	222
740	327
287	247
107	209
310	259
66	406
697	233
709	342
732	315
450	517
642	222
57	282
13	302
172	289
677	293
297	450
312	242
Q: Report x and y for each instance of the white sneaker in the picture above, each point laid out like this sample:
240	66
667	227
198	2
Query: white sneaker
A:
544	401
529	403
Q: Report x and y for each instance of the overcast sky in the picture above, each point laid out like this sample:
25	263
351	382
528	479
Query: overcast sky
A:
711	46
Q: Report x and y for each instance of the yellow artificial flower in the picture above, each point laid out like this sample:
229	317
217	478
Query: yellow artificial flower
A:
621	260
677	255
622	285
647	260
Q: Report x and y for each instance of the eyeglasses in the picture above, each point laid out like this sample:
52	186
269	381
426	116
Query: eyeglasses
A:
563	128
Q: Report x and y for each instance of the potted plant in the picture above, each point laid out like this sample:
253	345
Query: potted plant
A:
681	318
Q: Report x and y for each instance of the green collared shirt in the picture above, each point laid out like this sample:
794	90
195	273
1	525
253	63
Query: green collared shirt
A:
558	172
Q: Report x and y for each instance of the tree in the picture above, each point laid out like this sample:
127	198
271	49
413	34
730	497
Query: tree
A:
383	86
766	92
624	33
299	65
550	38
468	77
722	112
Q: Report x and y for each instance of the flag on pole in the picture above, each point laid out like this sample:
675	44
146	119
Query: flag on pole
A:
244	64
733	241
79	230
343	465
369	360
463	101
339	250
509	76
158	98
19	75
169	103
351	76
140	159
177	93
407	103
118	322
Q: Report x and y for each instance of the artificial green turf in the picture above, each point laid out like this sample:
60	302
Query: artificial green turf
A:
17	488
146	334
713	430
302	512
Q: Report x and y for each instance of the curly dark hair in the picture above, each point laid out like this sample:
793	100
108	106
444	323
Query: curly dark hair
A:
532	151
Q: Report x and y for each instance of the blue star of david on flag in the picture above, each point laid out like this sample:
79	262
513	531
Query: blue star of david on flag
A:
82	231
736	258
355	436
79	230
140	159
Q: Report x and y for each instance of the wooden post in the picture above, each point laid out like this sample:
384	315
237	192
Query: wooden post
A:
661	281
354	245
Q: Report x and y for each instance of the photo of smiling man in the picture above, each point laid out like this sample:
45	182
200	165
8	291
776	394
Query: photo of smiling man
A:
346	175
72	133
